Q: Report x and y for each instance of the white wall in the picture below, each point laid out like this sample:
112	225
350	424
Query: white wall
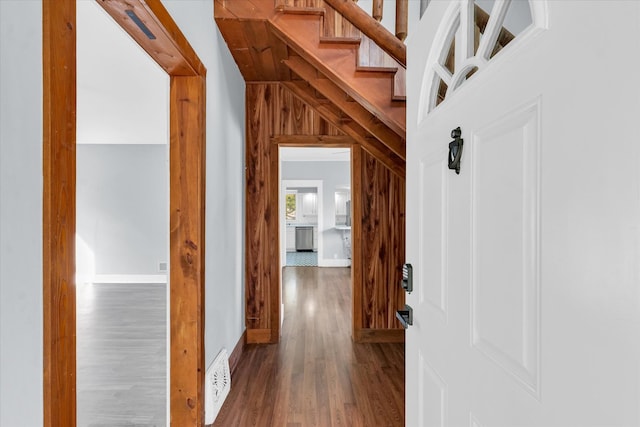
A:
225	176
332	175
122	154
123	94
122	207
21	197
20	213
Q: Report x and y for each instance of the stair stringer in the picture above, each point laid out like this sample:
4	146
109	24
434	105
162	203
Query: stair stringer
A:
338	63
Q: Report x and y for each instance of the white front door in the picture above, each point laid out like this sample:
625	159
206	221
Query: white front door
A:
526	264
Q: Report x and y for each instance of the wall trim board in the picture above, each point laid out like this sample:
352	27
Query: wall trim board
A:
316	141
173	53
366	335
330	263
129	278
259	336
236	354
356	240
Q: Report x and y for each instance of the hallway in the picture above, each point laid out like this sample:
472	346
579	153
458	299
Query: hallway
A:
316	376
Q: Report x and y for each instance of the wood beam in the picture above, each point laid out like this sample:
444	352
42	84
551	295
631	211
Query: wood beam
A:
151	26
332	114
354	110
187	238
59	212
312	141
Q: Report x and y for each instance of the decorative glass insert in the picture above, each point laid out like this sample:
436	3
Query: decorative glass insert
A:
482	13
472	35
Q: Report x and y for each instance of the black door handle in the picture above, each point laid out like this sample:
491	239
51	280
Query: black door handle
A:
455	150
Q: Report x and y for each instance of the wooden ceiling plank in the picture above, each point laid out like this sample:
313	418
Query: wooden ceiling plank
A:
245	63
280	52
261	51
233	32
244	9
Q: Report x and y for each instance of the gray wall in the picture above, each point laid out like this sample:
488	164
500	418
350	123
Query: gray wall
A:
224	251
332	175
20	213
123	207
21	197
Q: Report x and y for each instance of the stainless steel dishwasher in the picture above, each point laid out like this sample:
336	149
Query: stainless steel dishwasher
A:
304	239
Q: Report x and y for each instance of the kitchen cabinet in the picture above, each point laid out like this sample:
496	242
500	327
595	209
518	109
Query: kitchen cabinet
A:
291	239
309	204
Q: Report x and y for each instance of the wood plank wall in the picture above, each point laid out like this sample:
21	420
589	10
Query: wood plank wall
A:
272	110
382	236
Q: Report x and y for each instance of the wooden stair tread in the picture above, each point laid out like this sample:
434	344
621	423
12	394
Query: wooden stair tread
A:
340	40
296	10
373	90
390	70
369	51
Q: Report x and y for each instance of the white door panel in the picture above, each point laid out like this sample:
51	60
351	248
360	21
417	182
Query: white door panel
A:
526	265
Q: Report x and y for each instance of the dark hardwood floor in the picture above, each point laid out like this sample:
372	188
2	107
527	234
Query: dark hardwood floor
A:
316	376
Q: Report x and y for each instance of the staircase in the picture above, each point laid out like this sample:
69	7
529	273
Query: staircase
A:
327	62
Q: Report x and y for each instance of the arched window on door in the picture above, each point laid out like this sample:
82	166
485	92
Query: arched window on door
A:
472	34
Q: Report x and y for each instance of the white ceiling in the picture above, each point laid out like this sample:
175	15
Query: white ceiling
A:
123	95
290	154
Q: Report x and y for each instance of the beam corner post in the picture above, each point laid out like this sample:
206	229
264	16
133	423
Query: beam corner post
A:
187	240
59	212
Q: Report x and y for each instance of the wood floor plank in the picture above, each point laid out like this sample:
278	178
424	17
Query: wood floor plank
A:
316	375
122	355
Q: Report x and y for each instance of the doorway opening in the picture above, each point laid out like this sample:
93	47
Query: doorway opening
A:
122	226
173	53
315	209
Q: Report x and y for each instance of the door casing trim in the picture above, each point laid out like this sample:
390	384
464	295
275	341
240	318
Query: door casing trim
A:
173	53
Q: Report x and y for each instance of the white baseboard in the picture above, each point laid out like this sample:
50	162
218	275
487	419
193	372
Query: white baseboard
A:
334	262
129	278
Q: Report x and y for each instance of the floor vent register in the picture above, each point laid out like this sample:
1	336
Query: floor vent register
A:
217	386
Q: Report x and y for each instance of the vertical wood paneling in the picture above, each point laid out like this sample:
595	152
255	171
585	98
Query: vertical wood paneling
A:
261	211
187	238
378	240
59	212
274	247
382	244
357	252
271	110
